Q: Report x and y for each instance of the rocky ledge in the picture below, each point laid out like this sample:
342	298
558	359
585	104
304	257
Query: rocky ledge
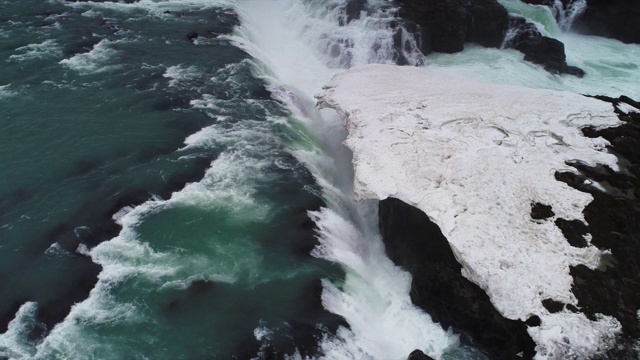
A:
617	19
446	25
479	165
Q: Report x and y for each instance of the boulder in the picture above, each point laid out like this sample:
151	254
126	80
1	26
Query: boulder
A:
419	355
442	23
539	49
488	22
192	36
447	24
354	8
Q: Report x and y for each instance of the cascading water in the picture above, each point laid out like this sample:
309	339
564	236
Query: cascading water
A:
566	14
302	55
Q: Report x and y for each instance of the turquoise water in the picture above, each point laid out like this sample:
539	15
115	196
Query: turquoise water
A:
97	101
187	196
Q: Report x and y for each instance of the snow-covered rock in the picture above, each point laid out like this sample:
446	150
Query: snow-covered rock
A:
474	157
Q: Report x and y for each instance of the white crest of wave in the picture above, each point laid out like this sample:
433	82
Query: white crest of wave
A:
13	343
92	61
48	48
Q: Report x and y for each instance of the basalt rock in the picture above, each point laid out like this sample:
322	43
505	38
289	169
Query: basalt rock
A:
613	220
416	244
539	49
419	355
447	24
617	19
354	8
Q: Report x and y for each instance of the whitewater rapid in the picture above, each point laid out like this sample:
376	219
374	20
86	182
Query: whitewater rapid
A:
292	40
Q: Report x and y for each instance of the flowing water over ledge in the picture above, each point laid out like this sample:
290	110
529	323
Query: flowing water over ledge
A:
160	173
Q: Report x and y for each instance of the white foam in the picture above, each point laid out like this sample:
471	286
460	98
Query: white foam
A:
13	343
566	335
179	74
153	8
46	49
474	157
6	92
92	61
293	40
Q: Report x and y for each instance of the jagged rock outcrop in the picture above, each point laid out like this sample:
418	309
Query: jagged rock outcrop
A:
419	355
539	49
446	25
418	246
617	19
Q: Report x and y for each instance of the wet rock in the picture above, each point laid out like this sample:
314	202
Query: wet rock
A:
419	355
443	24
617	19
488	21
192	36
539	49
447	24
416	244
354	8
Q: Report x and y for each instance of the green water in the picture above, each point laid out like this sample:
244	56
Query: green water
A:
96	103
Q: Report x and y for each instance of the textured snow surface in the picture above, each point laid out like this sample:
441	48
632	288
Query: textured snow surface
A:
474	157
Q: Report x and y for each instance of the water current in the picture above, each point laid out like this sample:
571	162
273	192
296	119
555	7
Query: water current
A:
171	198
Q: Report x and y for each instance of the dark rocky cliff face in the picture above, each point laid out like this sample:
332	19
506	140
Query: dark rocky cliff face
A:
616	19
446	25
416	244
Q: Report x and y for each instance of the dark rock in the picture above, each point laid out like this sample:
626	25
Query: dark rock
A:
443	23
416	244
488	22
574	231
613	219
552	305
539	49
419	355
533	321
617	19
354	8
447	24
192	36
199	287
541	211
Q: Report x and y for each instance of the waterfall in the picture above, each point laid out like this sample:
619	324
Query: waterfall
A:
302	44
